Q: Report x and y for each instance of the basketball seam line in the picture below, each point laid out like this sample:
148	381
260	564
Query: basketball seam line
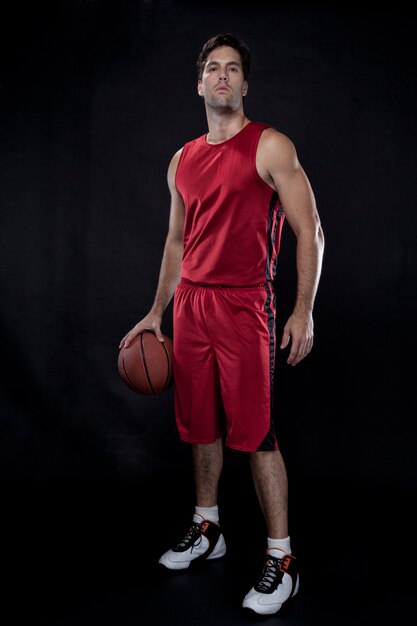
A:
144	364
169	367
130	382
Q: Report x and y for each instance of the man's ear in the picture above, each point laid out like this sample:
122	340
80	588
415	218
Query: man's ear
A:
200	88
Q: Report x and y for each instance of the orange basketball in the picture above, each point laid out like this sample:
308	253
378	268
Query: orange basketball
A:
146	364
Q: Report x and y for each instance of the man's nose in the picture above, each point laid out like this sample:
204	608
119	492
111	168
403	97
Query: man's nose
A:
223	75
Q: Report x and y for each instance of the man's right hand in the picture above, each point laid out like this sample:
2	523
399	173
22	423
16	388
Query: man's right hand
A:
152	322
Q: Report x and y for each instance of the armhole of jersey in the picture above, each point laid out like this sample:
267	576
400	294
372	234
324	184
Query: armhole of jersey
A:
255	169
178	165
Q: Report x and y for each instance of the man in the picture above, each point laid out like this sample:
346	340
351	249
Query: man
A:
230	191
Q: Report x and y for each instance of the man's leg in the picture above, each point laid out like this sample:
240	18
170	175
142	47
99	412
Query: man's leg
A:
271	486
204	539
279	578
207	464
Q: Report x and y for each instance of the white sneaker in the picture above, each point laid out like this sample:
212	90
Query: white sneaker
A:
203	541
278	583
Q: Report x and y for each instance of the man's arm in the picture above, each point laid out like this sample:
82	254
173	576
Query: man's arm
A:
279	166
170	271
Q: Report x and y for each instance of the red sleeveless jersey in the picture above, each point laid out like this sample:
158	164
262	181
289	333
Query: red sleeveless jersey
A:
233	219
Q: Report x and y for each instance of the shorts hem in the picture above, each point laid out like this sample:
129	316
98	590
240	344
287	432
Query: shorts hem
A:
231	447
199	443
241	449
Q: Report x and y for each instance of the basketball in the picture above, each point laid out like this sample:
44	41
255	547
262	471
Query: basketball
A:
146	364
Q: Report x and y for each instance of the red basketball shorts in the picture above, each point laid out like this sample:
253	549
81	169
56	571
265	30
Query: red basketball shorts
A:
224	357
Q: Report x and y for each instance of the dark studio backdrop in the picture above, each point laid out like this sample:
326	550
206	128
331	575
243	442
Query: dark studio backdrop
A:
95	98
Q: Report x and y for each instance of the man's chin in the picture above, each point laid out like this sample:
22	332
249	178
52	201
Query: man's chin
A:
222	105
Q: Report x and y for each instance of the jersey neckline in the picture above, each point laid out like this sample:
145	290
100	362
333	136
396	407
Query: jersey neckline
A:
222	143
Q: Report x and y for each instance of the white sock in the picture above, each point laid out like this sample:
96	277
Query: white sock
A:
210	513
280	544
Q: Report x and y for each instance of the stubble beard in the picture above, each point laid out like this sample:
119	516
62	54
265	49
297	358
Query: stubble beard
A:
222	104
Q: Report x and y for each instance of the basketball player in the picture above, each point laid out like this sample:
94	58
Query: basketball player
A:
231	190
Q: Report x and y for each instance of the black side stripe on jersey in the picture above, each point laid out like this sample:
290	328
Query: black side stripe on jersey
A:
268	442
275	223
272	232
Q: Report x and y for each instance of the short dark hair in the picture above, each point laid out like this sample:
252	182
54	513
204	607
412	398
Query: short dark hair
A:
226	39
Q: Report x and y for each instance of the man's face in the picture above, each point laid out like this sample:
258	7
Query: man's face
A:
222	84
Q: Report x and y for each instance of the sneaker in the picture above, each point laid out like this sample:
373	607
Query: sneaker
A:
278	583
204	540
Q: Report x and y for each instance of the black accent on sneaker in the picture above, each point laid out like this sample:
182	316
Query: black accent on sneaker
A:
273	572
193	537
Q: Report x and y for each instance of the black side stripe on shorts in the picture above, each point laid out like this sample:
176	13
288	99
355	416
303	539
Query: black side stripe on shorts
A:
269	441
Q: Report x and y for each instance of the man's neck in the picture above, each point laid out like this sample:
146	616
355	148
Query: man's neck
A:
222	126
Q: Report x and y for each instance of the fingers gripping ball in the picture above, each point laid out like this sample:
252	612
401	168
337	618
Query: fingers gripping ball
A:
146	364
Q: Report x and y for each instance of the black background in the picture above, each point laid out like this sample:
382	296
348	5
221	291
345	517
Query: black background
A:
95	99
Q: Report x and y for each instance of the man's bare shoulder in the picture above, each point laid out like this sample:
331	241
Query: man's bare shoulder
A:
276	150
172	168
174	161
274	140
176	157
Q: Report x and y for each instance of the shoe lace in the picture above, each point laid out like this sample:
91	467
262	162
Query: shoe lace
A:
270	573
192	537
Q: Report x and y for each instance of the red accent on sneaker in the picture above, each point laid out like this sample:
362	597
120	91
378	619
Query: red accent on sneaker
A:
286	562
204	526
